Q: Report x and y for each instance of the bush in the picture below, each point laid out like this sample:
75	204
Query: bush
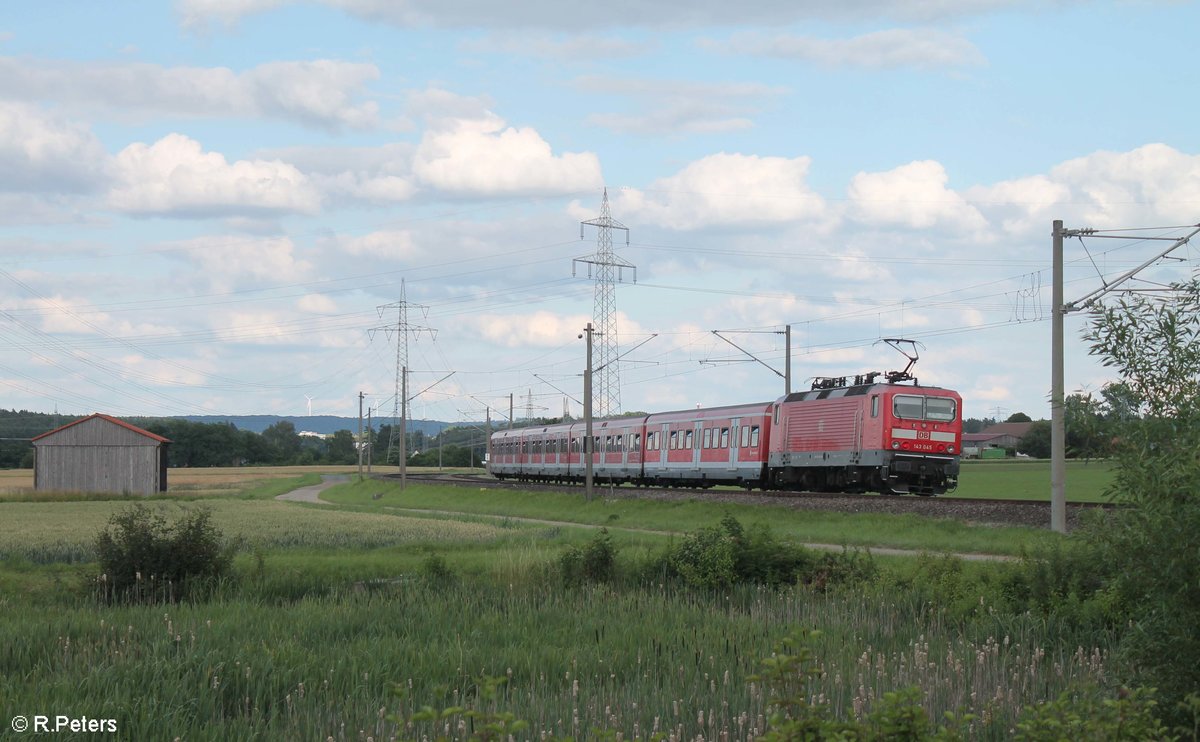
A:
728	554
435	572
145	559
595	562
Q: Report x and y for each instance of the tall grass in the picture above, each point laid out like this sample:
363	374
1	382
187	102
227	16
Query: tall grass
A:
630	660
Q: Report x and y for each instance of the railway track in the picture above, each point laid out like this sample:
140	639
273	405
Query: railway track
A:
992	512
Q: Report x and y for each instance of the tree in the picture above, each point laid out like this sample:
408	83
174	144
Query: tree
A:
1088	430
283	442
1019	417
1036	441
342	449
1147	551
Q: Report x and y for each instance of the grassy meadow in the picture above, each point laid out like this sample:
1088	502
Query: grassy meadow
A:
344	620
1029	479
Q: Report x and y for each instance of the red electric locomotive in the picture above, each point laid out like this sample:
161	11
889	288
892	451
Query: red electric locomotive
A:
866	435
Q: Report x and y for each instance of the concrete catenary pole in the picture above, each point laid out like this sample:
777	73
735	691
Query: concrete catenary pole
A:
587	416
1058	434
360	437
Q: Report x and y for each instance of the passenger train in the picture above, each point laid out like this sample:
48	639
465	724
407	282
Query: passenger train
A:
863	434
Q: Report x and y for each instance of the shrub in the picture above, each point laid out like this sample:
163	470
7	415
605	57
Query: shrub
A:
143	558
727	554
435	572
595	562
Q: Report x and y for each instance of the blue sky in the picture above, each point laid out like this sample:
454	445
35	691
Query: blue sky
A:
205	202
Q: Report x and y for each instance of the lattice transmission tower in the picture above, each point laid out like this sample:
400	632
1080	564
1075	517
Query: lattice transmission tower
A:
607	268
398	439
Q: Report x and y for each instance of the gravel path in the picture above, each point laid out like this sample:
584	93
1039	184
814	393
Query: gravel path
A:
312	493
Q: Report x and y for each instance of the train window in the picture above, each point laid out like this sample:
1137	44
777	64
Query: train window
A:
908	406
875	405
687	439
776	414
674	439
620	443
637	442
724	437
754	436
708	437
940	408
745	436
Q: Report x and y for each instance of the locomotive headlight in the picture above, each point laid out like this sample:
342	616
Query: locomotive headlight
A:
950	448
896	444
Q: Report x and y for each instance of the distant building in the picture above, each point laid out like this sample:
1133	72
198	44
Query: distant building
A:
100	454
1000	435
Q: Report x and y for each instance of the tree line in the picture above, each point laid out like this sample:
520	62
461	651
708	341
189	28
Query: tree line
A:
197	444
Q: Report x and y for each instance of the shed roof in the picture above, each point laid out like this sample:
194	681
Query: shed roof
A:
107	418
1016	430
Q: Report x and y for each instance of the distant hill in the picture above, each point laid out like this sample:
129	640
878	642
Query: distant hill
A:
323	424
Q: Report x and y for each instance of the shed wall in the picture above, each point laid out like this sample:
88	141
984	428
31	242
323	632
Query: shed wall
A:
98	456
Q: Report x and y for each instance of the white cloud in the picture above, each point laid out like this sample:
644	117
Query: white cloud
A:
540	329
726	189
894	48
322	93
174	177
162	372
63	315
673	107
573	14
44	153
228	262
198	13
376	175
483	157
1021	205
316	304
388	245
544	329
912	195
567	48
1154	183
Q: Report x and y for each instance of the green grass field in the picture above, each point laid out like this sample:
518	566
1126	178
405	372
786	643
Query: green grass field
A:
1029	479
332	604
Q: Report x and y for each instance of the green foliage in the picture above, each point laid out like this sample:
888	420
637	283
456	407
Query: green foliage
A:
450	455
1062	580
797	715
1146	552
727	554
142	558
1036	441
1019	417
483	725
705	558
436	572
1088	715
594	562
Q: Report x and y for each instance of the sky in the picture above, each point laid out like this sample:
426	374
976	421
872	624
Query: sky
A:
214	206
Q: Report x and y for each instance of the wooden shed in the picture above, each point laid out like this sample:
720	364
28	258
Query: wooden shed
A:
100	454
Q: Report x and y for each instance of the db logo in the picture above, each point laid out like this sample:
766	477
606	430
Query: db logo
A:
922	435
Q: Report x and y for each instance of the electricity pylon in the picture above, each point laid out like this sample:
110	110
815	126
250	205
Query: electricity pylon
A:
608	269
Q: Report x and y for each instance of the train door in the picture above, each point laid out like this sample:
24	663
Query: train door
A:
732	457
